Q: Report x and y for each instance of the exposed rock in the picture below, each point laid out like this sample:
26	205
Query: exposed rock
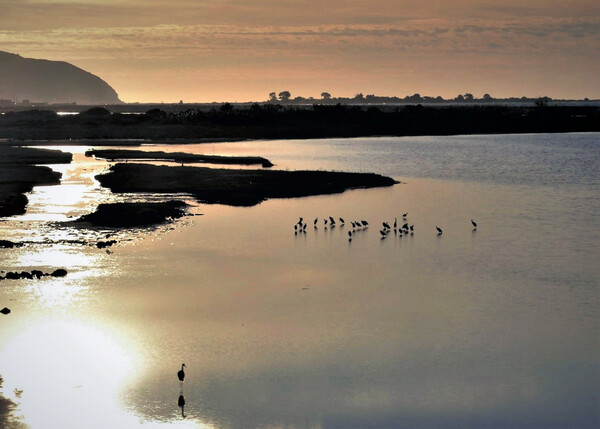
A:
30	275
6	244
59	273
104	244
38	274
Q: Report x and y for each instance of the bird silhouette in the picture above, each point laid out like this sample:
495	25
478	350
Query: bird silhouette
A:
342	220
404	215
439	230
315	221
180	373
5	311
474	224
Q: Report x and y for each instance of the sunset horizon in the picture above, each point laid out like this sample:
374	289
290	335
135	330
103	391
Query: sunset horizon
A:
235	52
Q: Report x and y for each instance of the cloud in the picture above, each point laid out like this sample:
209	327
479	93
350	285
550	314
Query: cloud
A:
554	36
383	42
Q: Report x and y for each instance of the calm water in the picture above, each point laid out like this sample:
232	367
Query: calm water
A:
492	328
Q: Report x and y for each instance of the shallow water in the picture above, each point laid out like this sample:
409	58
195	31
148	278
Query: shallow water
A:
496	327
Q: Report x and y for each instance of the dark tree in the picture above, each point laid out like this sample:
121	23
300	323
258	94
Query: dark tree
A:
325	95
272	96
284	96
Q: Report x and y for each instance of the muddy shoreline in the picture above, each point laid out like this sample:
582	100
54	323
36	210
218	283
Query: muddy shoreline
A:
20	172
179	157
234	187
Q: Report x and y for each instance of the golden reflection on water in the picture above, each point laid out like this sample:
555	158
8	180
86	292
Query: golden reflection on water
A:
298	329
69	374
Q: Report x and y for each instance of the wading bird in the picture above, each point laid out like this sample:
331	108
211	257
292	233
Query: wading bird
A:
180	373
474	224
439	230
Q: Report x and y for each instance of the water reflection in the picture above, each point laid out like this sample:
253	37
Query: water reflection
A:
181	404
69	373
496	328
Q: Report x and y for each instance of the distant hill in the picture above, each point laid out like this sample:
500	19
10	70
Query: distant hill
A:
51	82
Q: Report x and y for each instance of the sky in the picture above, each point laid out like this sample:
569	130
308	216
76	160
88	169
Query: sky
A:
241	50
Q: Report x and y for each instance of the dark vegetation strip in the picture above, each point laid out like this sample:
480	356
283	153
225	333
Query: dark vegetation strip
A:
273	121
234	187
19	174
180	157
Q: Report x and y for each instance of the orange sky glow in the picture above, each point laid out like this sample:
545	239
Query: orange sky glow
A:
240	50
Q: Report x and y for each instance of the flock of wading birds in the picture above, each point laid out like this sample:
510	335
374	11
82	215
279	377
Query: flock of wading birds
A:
400	230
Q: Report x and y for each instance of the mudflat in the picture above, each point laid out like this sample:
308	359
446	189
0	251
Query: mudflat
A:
180	157
234	186
139	214
19	174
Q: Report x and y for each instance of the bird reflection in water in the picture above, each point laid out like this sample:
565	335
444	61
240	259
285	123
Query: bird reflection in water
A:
181	404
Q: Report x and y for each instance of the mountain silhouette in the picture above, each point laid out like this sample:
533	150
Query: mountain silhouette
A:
51	82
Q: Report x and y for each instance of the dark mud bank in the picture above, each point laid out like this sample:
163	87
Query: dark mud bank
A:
235	187
131	215
179	157
19	174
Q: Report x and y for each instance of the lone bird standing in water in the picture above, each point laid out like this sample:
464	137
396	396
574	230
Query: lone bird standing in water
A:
180	373
474	224
439	230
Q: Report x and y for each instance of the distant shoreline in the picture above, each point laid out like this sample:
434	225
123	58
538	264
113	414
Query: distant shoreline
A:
276	121
138	108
